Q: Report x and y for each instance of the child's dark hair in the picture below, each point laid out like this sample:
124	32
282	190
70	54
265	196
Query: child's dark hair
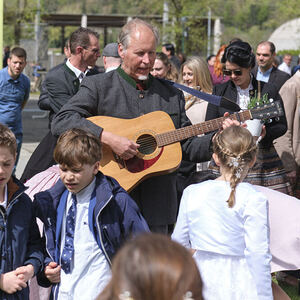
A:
239	53
77	147
8	139
235	148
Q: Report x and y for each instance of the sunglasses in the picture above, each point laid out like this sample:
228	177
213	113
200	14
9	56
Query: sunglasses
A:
235	72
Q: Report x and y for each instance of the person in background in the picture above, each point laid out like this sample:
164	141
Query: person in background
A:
211	61
163	68
6	52
111	58
60	84
15	90
90	215
225	222
238	60
288	145
153	267
36	76
182	57
194	74
216	73
285	66
297	67
169	50
21	247
265	71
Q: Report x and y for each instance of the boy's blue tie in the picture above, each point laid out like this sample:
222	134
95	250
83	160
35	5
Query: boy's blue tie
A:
68	251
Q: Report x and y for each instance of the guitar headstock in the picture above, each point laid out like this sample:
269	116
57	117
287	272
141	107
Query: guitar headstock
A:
268	111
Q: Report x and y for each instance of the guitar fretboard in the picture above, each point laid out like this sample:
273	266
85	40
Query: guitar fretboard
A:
180	134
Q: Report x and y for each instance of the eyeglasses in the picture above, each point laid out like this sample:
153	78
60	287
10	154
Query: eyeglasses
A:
95	50
235	72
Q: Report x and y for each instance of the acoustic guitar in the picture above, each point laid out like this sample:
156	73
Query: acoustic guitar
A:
160	149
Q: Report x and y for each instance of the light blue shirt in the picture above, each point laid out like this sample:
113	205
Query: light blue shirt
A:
90	271
260	76
13	93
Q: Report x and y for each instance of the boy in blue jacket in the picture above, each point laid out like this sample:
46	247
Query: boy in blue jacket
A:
21	255
87	217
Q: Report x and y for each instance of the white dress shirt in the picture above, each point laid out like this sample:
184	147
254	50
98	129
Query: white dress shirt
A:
285	68
244	96
79	74
90	271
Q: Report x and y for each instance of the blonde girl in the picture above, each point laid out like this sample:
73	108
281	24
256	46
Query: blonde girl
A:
225	221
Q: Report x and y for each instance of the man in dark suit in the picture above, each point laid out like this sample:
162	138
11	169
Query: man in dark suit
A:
61	83
264	70
129	92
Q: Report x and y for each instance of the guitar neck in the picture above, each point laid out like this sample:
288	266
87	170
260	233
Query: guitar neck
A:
180	134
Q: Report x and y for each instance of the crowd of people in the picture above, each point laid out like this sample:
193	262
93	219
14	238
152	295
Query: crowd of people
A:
206	231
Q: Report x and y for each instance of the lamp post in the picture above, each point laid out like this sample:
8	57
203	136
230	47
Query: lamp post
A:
208	30
37	29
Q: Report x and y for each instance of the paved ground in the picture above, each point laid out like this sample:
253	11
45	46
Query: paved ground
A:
35	127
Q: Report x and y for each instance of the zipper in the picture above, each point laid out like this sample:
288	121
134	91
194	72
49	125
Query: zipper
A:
46	246
99	231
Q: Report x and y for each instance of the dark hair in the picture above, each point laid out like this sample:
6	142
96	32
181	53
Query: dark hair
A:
239	53
271	45
81	37
170	47
19	52
209	57
151	267
235	39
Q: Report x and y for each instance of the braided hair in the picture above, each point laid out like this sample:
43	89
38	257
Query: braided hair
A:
235	148
239	53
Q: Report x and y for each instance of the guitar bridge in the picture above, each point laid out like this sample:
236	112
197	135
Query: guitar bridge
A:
119	161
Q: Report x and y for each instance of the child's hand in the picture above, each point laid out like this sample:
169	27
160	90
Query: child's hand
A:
25	272
11	283
52	272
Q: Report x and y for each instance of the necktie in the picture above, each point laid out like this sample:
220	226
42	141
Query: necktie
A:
81	76
68	251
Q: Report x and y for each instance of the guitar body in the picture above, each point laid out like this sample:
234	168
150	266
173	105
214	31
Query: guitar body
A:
151	159
160	149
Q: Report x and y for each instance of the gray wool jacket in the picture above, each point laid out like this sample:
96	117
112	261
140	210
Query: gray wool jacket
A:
114	94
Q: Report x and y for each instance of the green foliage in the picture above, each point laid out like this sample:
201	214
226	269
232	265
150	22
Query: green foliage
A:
256	101
250	20
292	52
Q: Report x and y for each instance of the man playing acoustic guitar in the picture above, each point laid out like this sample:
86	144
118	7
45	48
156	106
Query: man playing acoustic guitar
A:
130	92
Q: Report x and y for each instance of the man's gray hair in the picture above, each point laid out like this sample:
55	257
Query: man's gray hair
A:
132	25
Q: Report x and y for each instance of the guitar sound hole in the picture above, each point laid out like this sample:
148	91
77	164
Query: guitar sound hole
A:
147	144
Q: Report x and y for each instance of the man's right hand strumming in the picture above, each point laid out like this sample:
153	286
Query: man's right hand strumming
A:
122	146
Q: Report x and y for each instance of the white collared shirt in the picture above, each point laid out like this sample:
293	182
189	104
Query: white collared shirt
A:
4	203
76	71
90	271
244	96
285	68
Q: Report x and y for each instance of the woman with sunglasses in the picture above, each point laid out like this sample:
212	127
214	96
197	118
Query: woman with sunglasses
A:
238	60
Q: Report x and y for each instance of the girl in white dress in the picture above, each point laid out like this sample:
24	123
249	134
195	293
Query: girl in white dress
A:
225	221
